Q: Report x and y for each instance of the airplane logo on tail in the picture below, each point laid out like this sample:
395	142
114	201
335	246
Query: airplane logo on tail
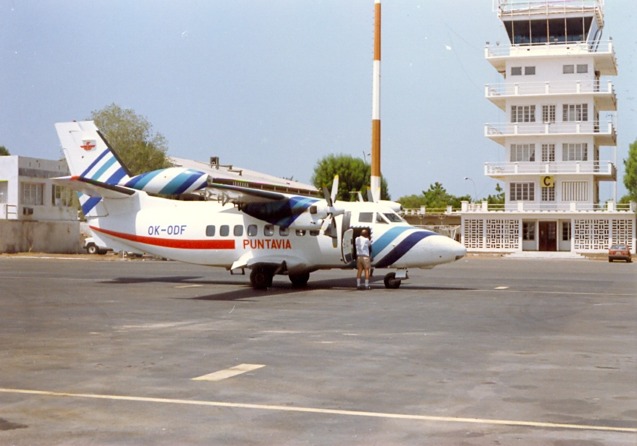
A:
88	145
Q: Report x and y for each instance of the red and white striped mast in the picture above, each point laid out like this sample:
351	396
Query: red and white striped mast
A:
375	177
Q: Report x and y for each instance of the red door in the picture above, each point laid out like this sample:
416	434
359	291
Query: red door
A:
548	236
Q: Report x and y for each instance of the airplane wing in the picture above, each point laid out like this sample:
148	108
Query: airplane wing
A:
240	195
272	207
93	188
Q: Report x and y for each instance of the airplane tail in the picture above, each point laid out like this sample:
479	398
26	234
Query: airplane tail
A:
88	154
91	159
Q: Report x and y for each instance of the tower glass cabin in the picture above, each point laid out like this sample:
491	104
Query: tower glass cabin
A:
557	132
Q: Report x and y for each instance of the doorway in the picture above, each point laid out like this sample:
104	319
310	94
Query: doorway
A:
548	236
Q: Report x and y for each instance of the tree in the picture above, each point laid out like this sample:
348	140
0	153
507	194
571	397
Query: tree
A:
132	138
4	151
436	197
630	173
354	176
498	198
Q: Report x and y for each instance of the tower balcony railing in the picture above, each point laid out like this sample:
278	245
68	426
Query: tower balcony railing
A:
605	135
514	7
604	92
602	51
603	169
548	48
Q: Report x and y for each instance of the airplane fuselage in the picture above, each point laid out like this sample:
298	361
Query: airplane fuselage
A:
214	234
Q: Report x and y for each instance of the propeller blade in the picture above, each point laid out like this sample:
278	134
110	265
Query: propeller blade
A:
334	189
329	223
329	227
327	196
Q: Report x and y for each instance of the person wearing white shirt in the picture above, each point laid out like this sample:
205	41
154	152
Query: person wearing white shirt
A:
363	261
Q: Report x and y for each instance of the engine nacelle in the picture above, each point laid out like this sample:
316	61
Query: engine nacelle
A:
169	181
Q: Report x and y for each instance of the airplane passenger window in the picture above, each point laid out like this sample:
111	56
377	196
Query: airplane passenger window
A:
224	230
314	232
238	230
210	231
300	232
268	230
366	217
284	232
252	230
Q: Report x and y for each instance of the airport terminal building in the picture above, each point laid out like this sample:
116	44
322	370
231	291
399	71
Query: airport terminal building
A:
556	87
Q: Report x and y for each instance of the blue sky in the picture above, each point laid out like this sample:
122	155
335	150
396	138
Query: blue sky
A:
276	85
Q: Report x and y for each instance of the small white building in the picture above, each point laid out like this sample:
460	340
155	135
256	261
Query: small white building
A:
27	193
555	88
35	214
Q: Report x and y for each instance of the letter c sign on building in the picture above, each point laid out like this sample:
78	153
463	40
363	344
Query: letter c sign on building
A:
548	182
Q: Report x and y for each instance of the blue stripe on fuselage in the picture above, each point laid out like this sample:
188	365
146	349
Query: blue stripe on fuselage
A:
402	248
387	238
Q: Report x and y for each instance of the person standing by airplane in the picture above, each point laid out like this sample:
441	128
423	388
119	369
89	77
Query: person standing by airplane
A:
363	261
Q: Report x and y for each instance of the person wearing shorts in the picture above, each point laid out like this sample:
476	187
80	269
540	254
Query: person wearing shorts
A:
363	261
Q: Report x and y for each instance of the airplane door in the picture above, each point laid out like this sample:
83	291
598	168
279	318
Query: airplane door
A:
347	246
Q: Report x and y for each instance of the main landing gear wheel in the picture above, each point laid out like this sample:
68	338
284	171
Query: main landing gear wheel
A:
261	278
299	280
391	282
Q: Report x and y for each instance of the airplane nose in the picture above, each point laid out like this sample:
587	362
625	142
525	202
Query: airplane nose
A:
459	250
444	249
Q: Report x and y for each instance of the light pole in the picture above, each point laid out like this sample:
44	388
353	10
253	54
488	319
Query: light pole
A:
475	191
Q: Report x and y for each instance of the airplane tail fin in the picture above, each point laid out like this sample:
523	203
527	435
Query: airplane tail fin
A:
88	154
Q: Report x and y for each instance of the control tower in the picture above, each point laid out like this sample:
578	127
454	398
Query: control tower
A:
557	132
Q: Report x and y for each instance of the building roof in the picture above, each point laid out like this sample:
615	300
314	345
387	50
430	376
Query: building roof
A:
229	174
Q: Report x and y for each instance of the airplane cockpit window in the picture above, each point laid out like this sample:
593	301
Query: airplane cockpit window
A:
252	230
366	217
380	218
238	230
210	231
268	230
224	230
393	217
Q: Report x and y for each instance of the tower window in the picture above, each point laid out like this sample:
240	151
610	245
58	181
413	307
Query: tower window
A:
528	230
523	113
548	153
574	112
548	114
548	193
566	230
522	152
522	192
575	152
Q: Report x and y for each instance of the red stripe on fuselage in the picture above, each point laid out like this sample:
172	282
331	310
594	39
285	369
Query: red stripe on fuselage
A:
169	242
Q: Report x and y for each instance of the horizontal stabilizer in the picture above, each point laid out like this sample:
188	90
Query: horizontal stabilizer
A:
94	188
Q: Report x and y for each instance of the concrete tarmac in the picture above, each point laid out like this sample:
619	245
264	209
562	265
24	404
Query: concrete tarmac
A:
485	351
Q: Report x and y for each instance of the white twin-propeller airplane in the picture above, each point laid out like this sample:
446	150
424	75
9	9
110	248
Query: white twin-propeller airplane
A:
267	232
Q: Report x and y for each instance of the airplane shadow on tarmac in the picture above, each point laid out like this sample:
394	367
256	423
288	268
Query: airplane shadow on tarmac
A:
279	287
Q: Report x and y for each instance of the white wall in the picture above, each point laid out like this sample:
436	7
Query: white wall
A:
50	236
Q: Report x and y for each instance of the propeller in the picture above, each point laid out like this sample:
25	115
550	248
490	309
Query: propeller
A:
329	223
